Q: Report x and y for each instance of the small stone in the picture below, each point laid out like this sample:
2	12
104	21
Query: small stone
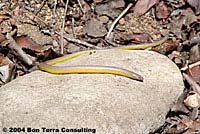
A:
122	21
68	23
95	28
110	8
67	29
108	103
104	19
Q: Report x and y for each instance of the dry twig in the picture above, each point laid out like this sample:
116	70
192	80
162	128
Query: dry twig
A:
79	3
192	83
118	18
191	66
17	50
62	29
68	38
73	32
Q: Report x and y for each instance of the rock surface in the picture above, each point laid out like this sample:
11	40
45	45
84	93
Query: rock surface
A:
95	28
107	103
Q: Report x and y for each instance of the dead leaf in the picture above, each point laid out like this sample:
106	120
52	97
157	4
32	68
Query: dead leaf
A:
142	6
195	53
26	42
135	37
195	57
195	73
49	54
186	18
166	47
189	16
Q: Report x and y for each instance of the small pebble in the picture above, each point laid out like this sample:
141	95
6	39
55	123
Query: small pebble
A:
122	21
104	19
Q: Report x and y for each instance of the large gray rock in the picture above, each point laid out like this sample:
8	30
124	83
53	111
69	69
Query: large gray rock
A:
108	103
